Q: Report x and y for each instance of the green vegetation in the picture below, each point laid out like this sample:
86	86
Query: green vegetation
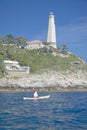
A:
39	60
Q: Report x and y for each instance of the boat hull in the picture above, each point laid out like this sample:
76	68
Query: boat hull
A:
40	97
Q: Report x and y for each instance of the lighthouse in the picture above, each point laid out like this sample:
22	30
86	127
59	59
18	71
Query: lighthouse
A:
51	36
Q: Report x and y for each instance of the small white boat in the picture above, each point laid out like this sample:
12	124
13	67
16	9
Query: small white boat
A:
40	97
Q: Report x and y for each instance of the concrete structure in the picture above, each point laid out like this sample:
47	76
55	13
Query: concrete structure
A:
35	44
14	69
51	36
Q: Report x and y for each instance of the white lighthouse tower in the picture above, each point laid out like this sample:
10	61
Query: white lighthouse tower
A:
51	36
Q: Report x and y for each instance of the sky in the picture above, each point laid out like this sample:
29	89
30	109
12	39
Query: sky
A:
29	19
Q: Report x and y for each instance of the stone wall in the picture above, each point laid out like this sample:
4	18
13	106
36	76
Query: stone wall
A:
17	73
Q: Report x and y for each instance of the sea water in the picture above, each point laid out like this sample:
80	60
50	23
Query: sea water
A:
62	111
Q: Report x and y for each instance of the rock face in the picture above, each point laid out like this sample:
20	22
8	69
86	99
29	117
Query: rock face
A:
50	79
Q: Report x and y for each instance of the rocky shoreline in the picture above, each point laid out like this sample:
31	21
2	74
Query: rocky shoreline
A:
53	81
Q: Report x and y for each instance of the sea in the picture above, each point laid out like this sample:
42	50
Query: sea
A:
62	111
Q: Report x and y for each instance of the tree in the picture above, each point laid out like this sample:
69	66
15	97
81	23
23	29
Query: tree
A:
64	48
21	41
10	38
3	40
58	49
45	43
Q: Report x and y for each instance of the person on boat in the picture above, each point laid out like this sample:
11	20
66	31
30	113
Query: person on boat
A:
35	93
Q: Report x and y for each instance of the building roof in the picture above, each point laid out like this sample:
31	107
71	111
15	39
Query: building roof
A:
10	62
34	41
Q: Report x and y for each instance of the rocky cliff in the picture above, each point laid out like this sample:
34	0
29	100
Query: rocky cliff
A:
50	79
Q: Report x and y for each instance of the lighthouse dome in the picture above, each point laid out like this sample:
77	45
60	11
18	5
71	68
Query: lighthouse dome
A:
51	13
